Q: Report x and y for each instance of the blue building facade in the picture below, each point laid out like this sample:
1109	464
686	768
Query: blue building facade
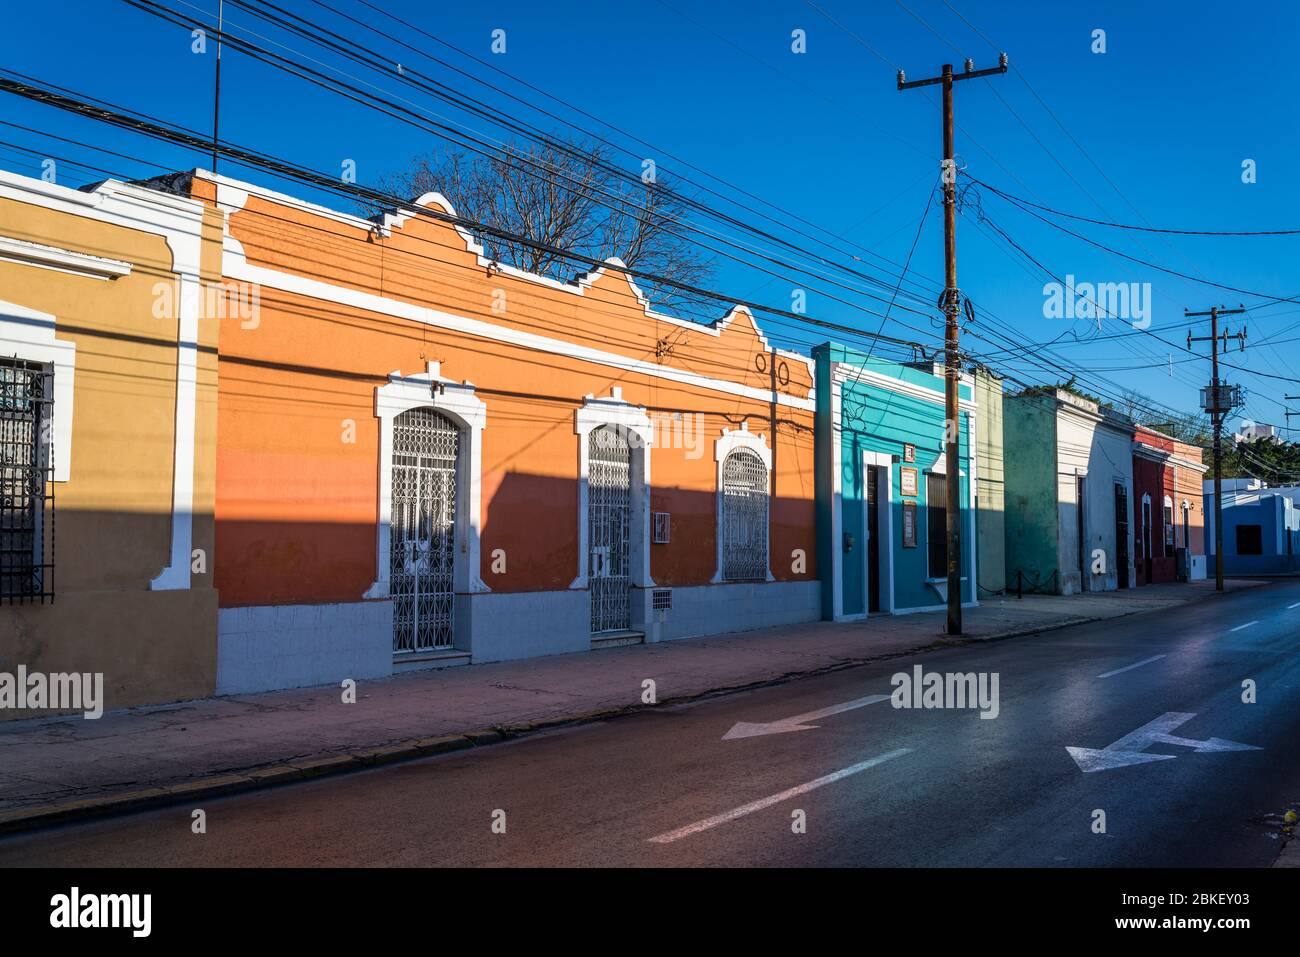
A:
1261	531
881	485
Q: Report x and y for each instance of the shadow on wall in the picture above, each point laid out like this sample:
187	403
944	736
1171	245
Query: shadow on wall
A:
529	542
150	646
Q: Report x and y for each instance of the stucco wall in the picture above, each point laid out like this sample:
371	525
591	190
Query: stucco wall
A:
990	491
1103	456
112	521
882	416
1031	521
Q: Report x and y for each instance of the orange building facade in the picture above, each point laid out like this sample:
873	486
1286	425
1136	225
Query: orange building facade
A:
426	458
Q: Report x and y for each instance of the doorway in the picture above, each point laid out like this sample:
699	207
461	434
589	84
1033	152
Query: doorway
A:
1121	536
874	525
609	511
422	543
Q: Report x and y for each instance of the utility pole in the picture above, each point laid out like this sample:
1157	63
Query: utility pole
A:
1289	413
1218	400
216	90
952	305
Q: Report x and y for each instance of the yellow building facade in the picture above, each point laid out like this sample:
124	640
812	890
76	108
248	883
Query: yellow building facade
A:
107	432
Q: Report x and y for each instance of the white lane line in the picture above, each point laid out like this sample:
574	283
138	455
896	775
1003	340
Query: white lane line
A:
1296	605
1120	671
1246	625
766	802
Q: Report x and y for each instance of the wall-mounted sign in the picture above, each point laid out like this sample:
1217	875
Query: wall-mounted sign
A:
909	452
907	479
909	525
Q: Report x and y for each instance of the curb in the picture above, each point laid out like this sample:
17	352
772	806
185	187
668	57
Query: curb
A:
329	764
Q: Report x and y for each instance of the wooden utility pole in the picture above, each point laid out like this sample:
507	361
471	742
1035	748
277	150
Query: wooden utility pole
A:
216	87
1218	400
952	306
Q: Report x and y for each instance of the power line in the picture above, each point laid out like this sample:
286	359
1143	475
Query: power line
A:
1147	229
303	174
403	114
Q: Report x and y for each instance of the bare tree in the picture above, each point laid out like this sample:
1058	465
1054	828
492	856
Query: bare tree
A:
574	202
1191	427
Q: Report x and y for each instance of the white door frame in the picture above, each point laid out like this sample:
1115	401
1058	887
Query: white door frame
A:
457	401
885	500
635	425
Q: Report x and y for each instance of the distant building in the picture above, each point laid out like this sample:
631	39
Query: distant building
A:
1169	537
1069	489
1252	432
1261	527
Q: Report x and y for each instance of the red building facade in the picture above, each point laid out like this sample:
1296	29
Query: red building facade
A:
1168	511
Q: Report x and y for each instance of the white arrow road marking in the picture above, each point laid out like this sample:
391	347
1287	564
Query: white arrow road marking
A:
762	803
1246	625
747	729
1120	671
1131	749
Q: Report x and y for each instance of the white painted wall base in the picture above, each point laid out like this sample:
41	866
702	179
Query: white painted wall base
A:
296	646
507	625
743	606
265	648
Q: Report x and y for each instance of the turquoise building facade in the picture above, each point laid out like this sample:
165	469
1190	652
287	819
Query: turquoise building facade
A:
881	475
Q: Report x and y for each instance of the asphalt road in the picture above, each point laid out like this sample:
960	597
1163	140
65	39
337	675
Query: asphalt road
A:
878	786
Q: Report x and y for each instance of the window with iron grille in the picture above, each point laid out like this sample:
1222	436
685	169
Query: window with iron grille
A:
26	499
744	517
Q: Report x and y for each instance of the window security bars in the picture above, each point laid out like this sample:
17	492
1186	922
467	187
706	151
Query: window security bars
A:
609	505
26	492
744	517
422	550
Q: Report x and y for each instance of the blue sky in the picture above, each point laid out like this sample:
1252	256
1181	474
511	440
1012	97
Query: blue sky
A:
1183	94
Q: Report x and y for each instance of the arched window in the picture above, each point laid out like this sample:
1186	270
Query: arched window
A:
744	514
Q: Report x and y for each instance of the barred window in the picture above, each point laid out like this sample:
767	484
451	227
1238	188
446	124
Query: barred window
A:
26	498
744	517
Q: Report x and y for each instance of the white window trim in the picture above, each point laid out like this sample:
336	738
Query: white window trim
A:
635	424
457	401
728	442
30	335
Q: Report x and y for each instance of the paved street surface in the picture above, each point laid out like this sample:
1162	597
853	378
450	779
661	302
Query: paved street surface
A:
66	762
878	785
